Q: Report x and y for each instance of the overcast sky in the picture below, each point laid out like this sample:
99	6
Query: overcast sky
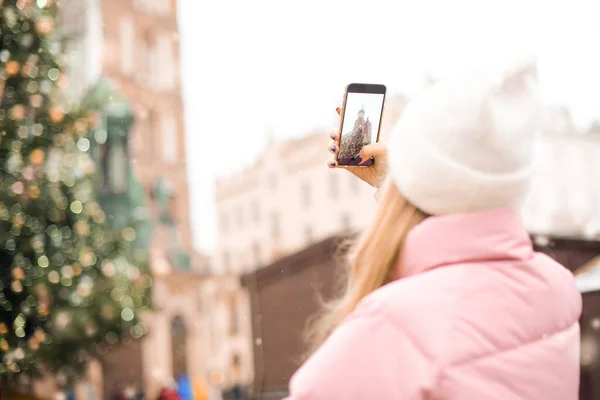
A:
254	67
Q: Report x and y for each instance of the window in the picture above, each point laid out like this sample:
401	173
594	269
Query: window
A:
147	72
236	360
137	138
223	222
333	185
234	326
163	197
127	32
166	61
308	235
118	169
77	67
200	302
275	225
346	224
102	154
160	7
240	217
226	261
170	142
140	5
111	154
273	182
305	195
256	253
151	134
236	371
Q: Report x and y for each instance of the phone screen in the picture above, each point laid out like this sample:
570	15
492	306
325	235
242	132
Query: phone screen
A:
360	126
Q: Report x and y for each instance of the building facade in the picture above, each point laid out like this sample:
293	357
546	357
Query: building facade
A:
565	196
134	46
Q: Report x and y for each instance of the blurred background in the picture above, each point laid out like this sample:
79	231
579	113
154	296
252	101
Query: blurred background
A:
166	215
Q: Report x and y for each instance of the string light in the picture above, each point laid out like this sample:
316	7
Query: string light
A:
63	259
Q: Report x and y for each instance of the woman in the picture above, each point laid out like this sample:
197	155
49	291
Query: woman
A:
446	298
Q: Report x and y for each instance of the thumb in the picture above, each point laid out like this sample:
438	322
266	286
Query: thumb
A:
373	150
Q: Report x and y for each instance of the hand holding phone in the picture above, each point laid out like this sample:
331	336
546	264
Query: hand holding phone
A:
360	122
370	165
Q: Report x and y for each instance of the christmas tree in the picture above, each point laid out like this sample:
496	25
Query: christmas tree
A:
68	282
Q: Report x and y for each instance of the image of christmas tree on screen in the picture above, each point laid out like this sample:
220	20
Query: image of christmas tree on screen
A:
360	127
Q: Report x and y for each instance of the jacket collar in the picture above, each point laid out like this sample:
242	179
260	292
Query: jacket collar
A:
495	235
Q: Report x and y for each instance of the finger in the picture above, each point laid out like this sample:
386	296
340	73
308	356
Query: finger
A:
334	136
333	147
373	150
332	163
367	162
340	107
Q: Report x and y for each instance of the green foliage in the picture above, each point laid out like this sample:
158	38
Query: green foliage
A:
68	282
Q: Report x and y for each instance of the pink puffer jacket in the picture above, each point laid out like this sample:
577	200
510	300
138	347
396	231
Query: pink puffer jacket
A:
477	314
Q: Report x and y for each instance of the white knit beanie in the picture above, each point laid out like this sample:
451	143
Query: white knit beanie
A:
466	144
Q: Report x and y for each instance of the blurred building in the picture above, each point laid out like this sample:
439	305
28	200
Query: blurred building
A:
565	194
285	202
132	46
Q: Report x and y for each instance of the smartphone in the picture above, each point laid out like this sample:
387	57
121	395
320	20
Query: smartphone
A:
360	122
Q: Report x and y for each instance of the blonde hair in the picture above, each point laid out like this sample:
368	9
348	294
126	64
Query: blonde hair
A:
373	264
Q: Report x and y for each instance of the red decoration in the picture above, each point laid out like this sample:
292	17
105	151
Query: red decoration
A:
168	394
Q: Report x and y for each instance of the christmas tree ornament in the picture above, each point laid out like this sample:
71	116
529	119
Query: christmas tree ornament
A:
56	115
44	25
17	113
69	281
37	157
12	68
18	273
36	100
